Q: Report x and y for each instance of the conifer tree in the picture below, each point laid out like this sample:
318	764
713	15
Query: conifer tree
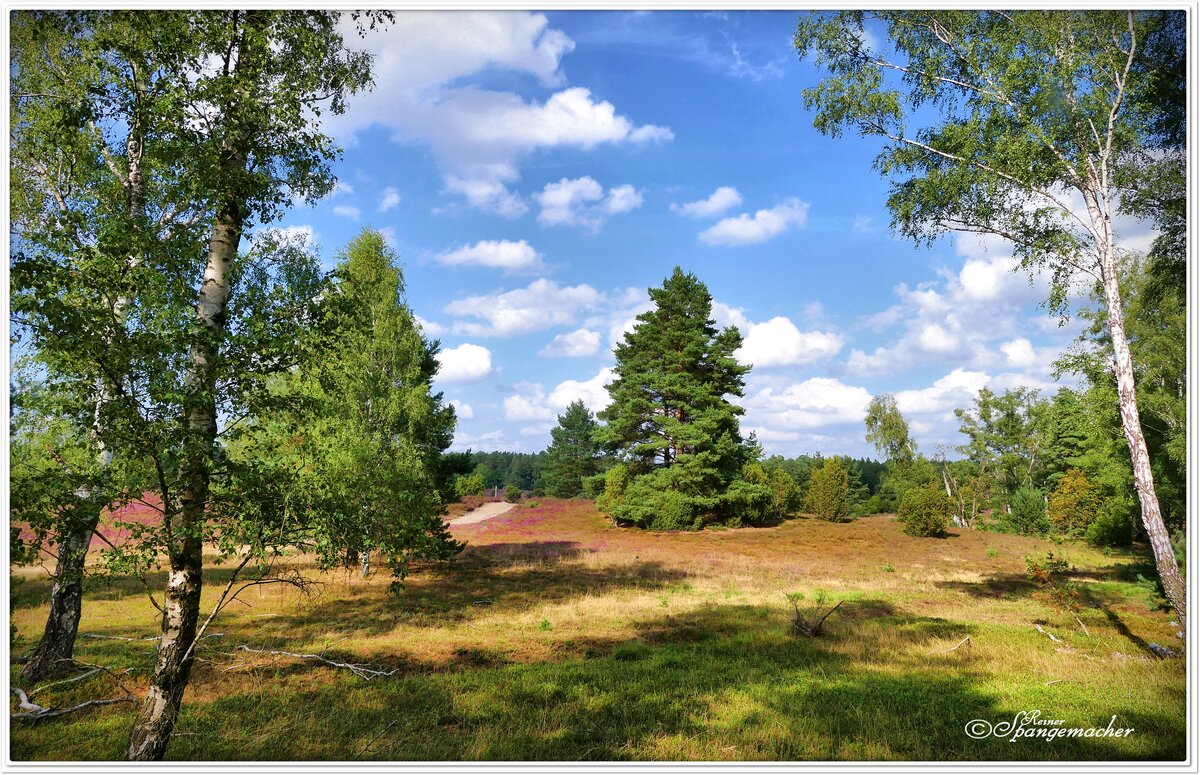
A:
670	416
573	454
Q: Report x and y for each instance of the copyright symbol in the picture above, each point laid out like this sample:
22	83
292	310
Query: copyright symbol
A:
978	729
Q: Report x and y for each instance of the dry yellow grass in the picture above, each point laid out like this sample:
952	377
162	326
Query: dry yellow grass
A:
548	606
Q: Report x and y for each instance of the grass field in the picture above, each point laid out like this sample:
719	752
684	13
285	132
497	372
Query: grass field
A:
556	636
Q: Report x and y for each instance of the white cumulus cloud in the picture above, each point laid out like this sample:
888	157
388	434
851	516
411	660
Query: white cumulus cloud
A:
494	254
540	305
591	392
347	211
528	403
814	403
423	67
391	198
580	343
582	202
717	203
778	342
465	363
745	229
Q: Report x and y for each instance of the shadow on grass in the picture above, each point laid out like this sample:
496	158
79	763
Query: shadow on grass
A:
35	591
719	682
723	682
498	578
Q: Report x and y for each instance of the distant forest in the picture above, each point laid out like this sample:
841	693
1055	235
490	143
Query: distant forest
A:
523	470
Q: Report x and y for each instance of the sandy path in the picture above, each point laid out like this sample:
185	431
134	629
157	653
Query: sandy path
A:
486	511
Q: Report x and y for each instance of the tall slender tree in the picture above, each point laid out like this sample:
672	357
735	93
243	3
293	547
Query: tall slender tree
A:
574	453
1039	113
384	428
96	201
209	320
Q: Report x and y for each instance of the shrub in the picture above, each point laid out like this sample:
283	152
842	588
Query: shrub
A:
1027	513
512	493
650	502
1112	526
593	486
1075	503
828	494
468	484
615	482
925	512
747	503
784	492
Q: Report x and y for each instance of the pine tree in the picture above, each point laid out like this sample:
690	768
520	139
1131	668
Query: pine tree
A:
670	416
573	454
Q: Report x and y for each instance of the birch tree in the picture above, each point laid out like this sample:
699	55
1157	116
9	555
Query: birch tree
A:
1014	125
84	93
209	318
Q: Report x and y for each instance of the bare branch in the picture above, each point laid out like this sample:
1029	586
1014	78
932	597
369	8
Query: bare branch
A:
962	642
109	161
80	677
362	671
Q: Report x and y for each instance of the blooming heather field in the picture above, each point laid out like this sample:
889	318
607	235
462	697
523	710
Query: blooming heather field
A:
558	636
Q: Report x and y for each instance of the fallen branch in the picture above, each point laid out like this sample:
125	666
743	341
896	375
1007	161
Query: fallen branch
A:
97	636
956	645
1055	681
362	671
1083	627
45	713
80	677
114	676
24	704
1048	634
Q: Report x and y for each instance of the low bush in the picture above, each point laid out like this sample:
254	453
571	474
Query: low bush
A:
593	486
512	493
466	485
747	503
1027	513
828	495
1112	526
925	512
613	495
1074	504
650	502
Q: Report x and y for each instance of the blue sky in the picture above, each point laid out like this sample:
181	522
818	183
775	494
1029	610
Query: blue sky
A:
536	172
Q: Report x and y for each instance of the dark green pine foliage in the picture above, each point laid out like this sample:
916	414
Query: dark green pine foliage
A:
574	453
670	418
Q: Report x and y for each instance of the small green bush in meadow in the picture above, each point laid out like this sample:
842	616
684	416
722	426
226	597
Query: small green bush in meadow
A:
925	512
1027	513
1112	526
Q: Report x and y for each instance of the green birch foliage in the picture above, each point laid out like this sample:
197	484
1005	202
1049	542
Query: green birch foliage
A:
574	453
360	429
96	94
990	117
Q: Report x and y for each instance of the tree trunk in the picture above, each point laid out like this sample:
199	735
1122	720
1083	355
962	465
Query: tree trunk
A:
66	593
181	612
1143	477
66	601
